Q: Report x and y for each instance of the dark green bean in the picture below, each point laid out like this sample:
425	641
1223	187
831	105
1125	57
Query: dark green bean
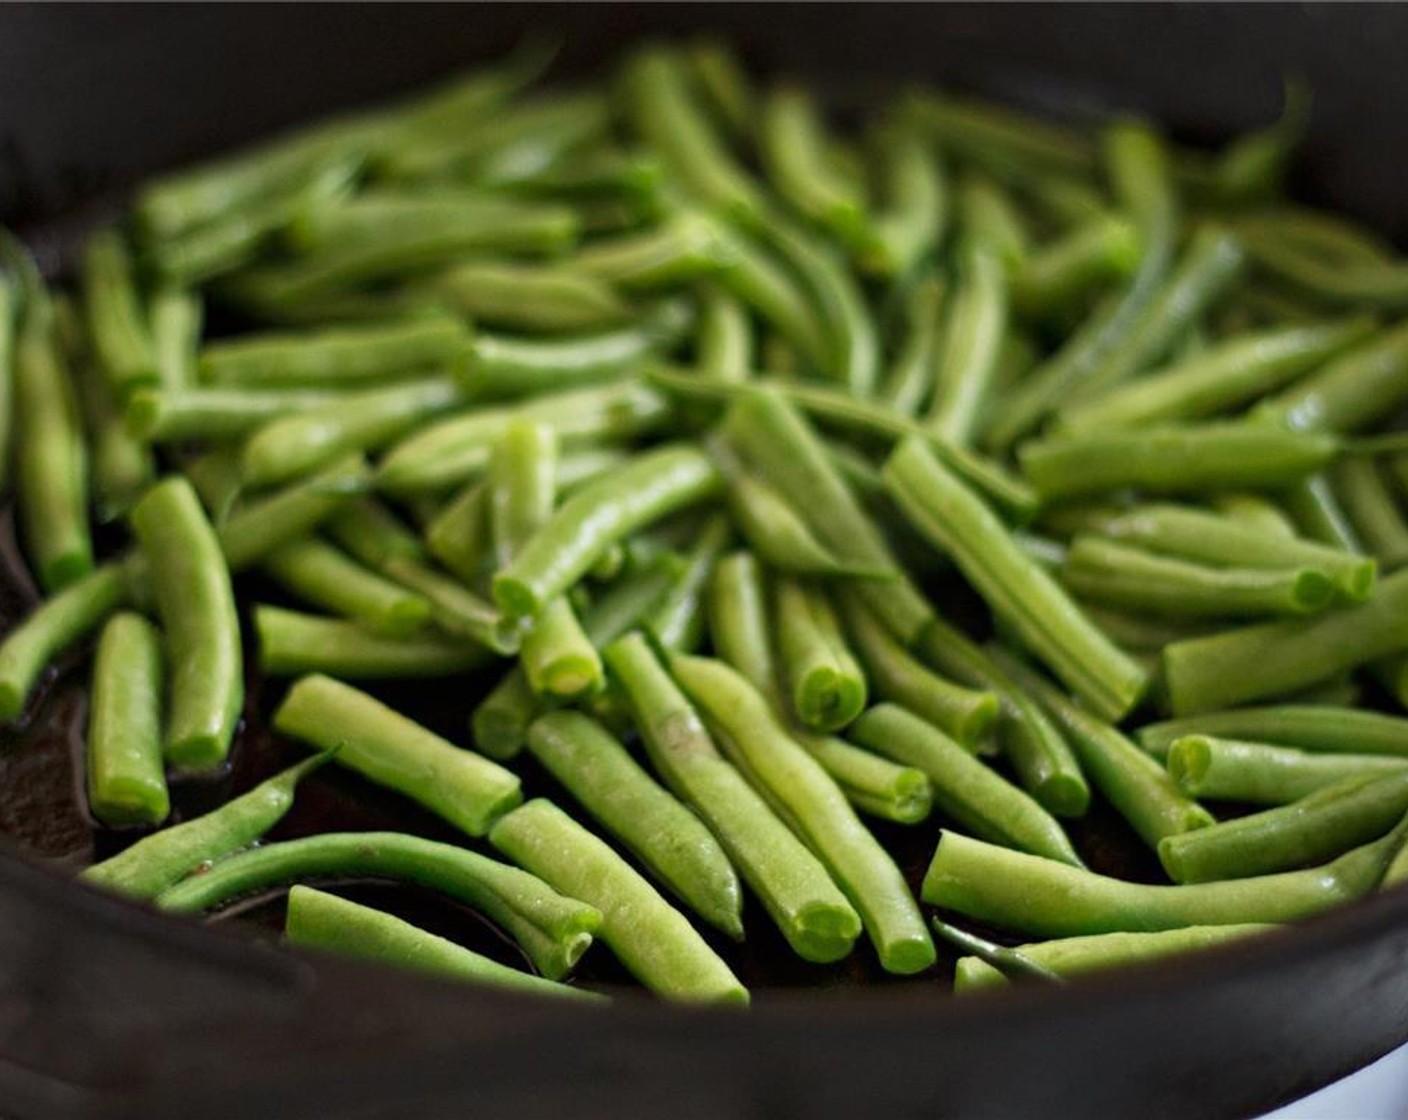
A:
793	146
125	781
292	644
724	344
1238	666
1018	589
120	465
685	246
724	83
913	210
1003	139
1233	770
554	930
650	937
190	581
1062	273
965	790
157	862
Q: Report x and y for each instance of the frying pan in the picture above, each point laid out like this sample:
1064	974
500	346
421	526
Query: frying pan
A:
109	1011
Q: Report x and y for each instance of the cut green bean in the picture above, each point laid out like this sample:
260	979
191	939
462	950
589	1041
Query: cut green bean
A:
825	684
253	531
1138	787
458	536
677	620
1255	512
909	381
384	746
1107	572
553	930
191	584
1350	393
317	920
545	298
558	658
1310	727
322	575
177	317
1029	894
1319	826
159	861
966	791
120	465
1172	460
969	715
293	644
650	937
1259	774
10	299
457	610
725	343
1374	509
913	209
814	806
685	246
117	323
1018	590
876	786
1062	273
967	356
125	781
793	147
51	460
605	510
161	416
1271	658
664	835
522	484
1070	957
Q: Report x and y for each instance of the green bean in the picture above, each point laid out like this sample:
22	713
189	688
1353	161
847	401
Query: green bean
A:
450	452
793	886
1233	770
1312	507
793	146
646	933
724	345
772	438
177	318
965	790
677	620
909	380
1374	510
1310	727
554	930
869	418
292	644
1354	810
1209	266
1238	666
1069	957
558	658
292	446
1255	511
724	83
191	584
159	416
1208	538
967	714
825	684
322	921
913	211
1139	788
1340	283
324	576
384	746
373	534
51	462
659	106
1107	572
125	781
973	332
116	320
157	862
458	536
853	352
1139	633
522	482
1038	896
1229	375
358	355
1043	761
253	531
1001	961
1139	168
605	510
665	836
57	623
1000	137
120	465
685	246
810	802
517	296
774	529
1062	273
1350	393
876	786
1164	460
456	609
1018	590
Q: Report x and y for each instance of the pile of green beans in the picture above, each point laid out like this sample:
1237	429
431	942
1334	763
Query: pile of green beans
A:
758	490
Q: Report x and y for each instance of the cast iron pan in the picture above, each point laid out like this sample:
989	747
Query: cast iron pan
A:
107	1010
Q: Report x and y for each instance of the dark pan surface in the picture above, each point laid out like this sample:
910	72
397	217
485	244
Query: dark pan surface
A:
112	1012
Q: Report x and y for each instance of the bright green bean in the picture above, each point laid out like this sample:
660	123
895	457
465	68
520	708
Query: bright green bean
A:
1060	274
973	332
546	298
825	683
724	345
793	146
292	644
459	535
1310	727
162	416
322	575
177	318
190	581
253	531
125	781
913	210
457	610
117	323
1234	770
1374	509
909	380
1354	391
